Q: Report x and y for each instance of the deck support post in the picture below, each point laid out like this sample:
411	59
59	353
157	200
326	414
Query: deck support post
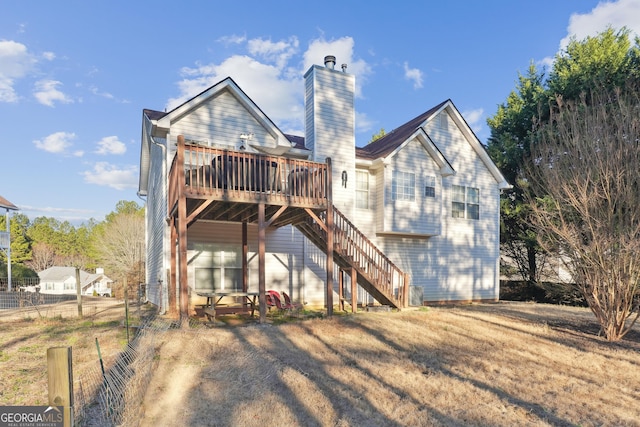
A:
182	237
171	286
405	296
354	290
245	252
262	234
341	289
330	231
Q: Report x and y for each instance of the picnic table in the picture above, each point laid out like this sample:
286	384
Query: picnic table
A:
226	302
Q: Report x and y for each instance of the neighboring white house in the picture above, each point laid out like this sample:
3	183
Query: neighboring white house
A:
427	194
62	281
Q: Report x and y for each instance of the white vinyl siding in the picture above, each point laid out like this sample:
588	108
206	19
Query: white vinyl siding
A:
464	262
155	215
220	123
420	215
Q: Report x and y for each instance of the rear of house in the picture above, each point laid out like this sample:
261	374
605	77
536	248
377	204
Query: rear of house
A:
426	194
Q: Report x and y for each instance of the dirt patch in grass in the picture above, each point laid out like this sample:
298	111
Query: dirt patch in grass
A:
500	364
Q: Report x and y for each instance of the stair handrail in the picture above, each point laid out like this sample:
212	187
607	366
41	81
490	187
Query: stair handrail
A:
353	244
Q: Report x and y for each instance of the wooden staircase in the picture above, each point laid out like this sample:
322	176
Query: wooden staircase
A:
376	274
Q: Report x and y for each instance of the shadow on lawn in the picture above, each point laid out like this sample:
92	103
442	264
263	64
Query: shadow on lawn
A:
350	406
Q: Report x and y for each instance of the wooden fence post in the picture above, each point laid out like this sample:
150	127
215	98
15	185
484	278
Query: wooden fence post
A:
79	292
60	376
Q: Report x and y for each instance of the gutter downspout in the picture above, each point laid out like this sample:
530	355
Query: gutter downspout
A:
164	296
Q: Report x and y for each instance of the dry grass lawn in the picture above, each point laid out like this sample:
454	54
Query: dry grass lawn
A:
26	334
503	364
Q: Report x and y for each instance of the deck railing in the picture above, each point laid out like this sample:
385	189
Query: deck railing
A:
202	172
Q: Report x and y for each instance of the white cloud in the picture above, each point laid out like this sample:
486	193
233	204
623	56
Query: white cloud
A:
64	214
111	145
413	74
227	40
46	92
94	90
279	53
49	56
15	63
342	49
363	123
617	14
56	142
272	67
474	119
614	14
109	175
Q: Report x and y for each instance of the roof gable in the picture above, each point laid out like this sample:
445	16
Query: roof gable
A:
163	122
395	140
382	147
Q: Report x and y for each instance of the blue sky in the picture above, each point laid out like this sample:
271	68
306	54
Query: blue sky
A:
76	75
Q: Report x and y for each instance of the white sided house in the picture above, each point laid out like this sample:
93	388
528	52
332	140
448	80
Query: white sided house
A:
233	203
62	281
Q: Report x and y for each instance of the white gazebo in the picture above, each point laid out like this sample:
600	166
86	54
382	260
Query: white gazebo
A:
5	237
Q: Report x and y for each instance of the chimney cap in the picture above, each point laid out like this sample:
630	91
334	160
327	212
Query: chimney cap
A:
330	61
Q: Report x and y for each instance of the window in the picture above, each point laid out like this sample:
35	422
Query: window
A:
473	203
444	120
457	201
430	186
465	202
403	186
362	189
216	267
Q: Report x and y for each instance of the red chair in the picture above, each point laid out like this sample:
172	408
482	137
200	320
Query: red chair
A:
288	304
274	300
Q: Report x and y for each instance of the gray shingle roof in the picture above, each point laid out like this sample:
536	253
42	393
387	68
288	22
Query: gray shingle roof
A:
392	140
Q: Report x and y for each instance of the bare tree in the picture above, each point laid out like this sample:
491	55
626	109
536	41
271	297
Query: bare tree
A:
43	256
586	161
119	243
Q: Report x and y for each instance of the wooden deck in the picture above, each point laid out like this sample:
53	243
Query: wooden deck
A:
228	185
207	183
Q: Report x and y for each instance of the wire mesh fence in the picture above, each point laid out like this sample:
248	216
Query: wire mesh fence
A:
112	396
109	394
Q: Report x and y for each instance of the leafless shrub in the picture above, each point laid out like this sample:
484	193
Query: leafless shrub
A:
586	161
